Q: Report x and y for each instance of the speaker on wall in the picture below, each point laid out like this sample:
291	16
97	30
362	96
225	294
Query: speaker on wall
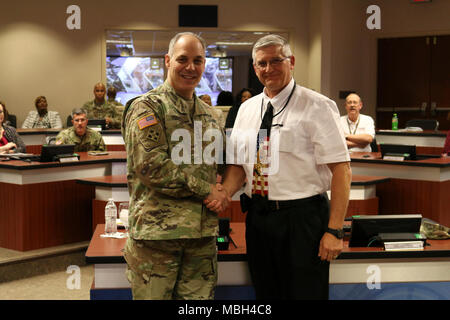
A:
197	16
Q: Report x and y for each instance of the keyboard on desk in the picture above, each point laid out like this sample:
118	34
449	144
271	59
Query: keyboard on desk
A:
427	156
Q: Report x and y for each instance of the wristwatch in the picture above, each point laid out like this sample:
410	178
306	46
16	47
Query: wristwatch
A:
338	233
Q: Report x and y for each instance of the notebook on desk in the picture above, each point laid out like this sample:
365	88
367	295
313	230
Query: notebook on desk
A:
20	156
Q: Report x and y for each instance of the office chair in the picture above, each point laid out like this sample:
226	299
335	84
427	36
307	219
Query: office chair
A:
69	121
425	124
11	121
374	145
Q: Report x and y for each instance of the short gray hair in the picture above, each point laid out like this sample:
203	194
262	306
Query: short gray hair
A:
78	111
174	40
272	40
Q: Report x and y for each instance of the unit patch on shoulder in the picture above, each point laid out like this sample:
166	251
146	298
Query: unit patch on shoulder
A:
154	134
147	121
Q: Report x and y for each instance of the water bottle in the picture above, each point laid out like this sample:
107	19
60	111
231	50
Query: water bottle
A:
395	122
110	217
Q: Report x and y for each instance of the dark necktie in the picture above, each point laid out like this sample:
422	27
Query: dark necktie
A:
266	124
267	119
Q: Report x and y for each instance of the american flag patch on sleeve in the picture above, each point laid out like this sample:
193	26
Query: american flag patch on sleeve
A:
147	121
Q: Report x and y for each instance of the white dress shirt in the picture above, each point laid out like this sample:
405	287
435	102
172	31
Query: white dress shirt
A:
305	137
364	125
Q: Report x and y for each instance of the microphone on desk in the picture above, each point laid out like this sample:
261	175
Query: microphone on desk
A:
50	140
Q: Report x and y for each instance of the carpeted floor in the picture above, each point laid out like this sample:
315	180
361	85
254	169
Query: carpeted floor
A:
46	274
52	286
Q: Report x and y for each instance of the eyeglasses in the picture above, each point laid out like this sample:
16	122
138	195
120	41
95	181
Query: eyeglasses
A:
276	62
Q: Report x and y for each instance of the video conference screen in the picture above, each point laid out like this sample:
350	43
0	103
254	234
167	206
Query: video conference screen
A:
217	77
133	76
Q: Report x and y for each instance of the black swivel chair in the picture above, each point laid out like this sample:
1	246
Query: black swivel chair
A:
69	121
425	124
374	145
11	121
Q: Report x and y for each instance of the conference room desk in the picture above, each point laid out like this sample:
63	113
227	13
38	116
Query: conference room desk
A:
415	187
363	197
358	273
106	187
35	138
43	206
427	141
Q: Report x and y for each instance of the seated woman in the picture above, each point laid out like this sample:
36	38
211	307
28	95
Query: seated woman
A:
242	96
41	117
10	141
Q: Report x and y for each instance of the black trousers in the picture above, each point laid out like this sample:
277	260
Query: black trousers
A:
283	247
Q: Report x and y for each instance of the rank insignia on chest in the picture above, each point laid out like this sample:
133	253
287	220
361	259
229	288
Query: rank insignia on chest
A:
147	121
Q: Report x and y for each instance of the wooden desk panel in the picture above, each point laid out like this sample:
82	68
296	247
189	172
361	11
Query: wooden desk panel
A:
35	216
416	187
43	206
35	138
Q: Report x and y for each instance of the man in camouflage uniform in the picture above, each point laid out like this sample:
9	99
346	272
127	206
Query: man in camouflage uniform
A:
99	108
171	250
84	138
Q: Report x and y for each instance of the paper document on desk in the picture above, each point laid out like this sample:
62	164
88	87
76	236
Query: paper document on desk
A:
115	235
413	129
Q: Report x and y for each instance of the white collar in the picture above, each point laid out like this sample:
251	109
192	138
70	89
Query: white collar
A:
279	100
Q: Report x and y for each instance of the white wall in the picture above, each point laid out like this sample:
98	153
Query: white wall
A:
354	47
334	50
40	56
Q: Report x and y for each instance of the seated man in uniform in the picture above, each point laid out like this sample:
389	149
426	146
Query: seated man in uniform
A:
99	108
84	138
359	129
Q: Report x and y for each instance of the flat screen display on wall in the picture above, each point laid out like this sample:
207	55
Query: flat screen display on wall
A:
133	76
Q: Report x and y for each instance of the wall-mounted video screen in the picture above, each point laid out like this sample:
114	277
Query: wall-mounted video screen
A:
133	76
218	76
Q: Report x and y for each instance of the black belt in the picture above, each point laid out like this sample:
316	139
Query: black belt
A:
283	204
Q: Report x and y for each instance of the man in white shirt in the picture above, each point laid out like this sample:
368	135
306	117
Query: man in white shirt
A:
359	129
292	231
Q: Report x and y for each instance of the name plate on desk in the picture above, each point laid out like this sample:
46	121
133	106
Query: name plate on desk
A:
68	159
403	246
394	158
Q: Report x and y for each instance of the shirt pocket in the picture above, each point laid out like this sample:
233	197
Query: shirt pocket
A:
287	140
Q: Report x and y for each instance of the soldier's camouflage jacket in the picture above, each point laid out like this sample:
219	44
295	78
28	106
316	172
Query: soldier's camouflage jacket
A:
166	199
91	141
101	111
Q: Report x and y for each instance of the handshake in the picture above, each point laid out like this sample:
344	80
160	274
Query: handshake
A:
218	199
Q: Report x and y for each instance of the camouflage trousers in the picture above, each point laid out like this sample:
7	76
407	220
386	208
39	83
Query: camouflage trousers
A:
172	269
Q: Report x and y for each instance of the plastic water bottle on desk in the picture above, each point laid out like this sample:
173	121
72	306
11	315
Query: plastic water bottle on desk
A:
395	122
110	217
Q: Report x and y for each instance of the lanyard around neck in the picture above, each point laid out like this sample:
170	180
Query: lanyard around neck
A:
285	105
356	127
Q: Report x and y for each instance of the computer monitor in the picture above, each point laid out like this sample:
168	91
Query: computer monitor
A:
366	228
97	123
51	151
404	150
